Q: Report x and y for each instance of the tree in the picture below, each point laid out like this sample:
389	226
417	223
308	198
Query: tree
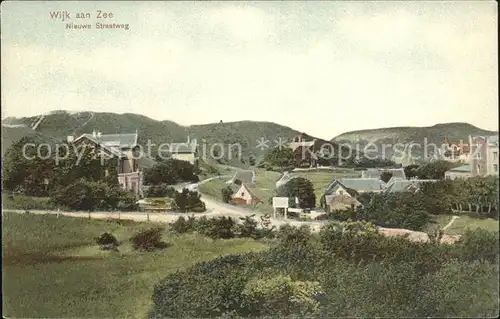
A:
24	170
227	194
411	171
187	200
281	157
171	171
385	176
434	170
302	188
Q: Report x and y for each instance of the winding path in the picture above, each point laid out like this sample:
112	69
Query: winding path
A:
450	223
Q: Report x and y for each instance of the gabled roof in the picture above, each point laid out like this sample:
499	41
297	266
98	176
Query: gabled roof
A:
464	168
112	150
336	184
363	184
401	185
248	190
285	178
128	140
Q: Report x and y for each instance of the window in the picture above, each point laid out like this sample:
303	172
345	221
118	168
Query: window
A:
495	156
242	194
341	192
495	168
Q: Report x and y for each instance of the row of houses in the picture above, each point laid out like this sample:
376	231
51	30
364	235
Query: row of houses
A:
342	193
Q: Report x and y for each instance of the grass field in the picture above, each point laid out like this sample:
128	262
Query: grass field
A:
52	268
266	184
461	224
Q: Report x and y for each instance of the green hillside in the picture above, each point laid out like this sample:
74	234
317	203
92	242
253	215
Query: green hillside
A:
58	125
455	132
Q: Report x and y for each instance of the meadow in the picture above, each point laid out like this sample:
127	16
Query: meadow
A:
53	268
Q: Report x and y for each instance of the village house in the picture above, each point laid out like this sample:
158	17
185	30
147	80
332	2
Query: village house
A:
464	171
404	185
245	196
340	189
125	148
186	151
484	161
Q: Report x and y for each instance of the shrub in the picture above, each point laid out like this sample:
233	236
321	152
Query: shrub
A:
282	296
148	239
248	227
188	201
227	194
216	228
93	195
107	241
479	244
206	290
160	190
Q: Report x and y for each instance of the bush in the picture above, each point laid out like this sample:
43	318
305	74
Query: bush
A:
89	195
148	239
248	227
160	190
187	200
227	194
107	241
479	244
282	296
181	225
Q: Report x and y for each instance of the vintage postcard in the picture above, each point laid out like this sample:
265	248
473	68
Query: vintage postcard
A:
231	159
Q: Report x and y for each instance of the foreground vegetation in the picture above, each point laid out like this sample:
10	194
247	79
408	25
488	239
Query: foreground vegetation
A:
52	267
348	270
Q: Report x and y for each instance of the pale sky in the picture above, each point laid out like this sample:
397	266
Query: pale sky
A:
319	67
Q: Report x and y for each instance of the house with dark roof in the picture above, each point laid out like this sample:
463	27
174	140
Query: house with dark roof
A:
350	187
404	185
464	171
124	147
245	196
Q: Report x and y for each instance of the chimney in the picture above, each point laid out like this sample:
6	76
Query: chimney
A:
98	134
70	138
93	133
187	140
